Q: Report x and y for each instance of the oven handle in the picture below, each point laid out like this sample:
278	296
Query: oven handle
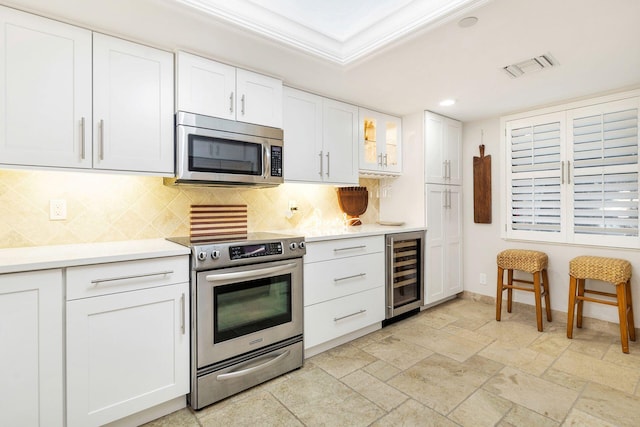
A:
219	277
248	371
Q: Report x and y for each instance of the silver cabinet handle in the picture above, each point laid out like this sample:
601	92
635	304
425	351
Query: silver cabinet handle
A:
350	248
242	105
568	172
182	314
562	172
241	373
231	102
379	159
82	139
101	142
385	160
355	276
135	276
320	155
328	164
337	319
218	277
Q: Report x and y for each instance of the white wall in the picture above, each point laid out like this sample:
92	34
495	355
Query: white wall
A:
483	242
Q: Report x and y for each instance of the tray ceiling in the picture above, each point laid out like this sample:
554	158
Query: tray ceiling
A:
341	31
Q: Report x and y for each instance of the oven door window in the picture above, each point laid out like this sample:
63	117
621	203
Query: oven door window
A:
246	307
220	155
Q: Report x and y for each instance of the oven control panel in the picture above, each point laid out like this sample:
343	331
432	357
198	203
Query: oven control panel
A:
255	250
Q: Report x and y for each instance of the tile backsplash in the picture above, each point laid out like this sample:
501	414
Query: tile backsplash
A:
108	207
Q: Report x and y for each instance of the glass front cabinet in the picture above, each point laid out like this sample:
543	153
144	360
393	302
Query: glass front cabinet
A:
380	143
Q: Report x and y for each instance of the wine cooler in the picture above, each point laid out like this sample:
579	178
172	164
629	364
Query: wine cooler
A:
405	272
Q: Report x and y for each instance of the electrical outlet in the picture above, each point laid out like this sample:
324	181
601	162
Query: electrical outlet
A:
57	209
483	278
293	205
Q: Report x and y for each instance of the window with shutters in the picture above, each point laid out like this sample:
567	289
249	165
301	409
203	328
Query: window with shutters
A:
573	176
535	190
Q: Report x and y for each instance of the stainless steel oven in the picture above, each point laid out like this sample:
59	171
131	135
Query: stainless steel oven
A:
247	314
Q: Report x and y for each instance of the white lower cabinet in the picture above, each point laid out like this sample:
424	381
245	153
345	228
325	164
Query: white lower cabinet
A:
127	338
31	356
343	288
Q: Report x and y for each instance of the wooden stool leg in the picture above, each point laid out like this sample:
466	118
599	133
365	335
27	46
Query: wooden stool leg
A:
622	312
580	302
547	298
572	305
630	321
536	290
510	289
499	294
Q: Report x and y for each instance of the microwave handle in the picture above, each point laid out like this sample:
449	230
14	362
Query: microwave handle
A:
266	161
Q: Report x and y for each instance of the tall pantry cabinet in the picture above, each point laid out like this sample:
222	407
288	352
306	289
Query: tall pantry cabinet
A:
443	197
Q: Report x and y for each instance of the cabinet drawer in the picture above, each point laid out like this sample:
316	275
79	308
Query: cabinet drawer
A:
327	280
332	319
102	279
343	248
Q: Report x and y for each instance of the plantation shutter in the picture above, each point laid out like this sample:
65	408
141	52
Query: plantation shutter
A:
535	175
605	170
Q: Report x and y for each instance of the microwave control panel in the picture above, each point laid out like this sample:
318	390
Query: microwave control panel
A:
276	160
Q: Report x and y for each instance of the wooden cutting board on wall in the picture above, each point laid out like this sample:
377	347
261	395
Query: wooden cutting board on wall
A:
482	188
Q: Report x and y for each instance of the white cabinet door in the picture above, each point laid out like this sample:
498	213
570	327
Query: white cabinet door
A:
340	143
302	123
259	99
31	357
380	143
206	87
444	242
133	106
126	352
45	92
214	89
443	150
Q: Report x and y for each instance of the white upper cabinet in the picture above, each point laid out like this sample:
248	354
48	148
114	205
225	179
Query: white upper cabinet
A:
133	106
214	89
259	99
443	150
320	137
59	109
45	92
380	143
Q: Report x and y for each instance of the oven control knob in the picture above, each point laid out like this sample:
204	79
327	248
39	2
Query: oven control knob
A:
215	254
202	256
293	246
301	245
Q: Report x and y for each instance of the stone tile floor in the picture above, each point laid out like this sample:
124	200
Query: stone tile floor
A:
451	365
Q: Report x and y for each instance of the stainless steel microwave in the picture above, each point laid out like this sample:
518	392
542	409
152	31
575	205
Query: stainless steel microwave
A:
213	151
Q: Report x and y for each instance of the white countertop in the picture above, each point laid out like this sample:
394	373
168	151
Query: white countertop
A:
14	260
342	232
44	257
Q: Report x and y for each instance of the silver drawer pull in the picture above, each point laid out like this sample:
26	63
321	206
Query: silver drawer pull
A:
137	276
336	319
350	248
355	276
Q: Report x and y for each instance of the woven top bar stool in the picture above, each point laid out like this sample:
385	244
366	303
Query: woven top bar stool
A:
612	270
532	262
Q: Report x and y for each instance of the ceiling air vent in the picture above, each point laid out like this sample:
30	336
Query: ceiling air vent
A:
530	65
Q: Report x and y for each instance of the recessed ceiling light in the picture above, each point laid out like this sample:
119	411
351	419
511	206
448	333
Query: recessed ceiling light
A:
447	102
469	21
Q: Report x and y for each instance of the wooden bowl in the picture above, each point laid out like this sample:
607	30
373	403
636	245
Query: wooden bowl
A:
353	201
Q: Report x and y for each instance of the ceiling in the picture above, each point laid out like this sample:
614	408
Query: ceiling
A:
341	31
595	43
